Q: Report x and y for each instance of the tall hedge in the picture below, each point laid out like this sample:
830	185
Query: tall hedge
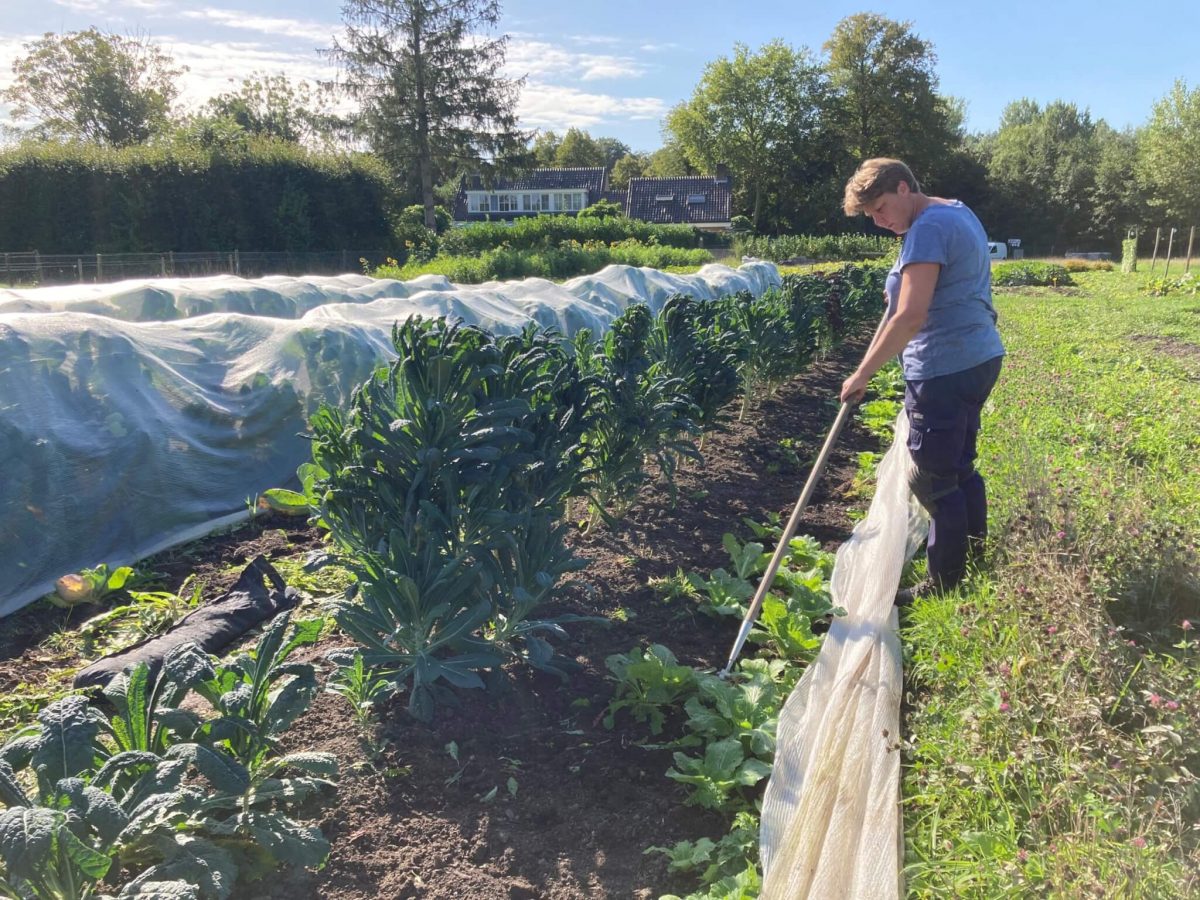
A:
77	198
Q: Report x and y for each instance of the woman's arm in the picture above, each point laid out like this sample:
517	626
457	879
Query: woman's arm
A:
917	282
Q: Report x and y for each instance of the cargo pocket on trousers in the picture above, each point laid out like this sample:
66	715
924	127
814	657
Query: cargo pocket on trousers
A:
936	442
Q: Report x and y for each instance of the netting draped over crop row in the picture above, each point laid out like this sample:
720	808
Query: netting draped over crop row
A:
831	814
137	415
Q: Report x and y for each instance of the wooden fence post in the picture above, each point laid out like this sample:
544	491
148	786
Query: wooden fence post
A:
162	265
237	262
79	268
99	268
1170	244
1154	257
1191	237
171	257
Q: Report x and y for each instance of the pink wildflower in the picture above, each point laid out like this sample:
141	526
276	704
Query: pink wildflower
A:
1186	625
1061	535
1139	842
1004	707
1155	700
1053	629
1172	705
1022	855
1005	670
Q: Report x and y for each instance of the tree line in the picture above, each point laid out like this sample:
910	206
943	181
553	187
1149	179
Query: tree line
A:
790	123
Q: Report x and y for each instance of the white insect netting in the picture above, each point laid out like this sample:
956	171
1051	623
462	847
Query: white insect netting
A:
142	414
831	823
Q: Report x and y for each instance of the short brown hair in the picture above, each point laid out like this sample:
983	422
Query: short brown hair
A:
872	180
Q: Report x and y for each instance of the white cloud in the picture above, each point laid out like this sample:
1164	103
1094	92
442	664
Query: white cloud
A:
558	107
113	7
319	32
215	68
541	58
84	6
595	39
10	49
598	67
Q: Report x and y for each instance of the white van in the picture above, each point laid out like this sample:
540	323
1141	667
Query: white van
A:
997	250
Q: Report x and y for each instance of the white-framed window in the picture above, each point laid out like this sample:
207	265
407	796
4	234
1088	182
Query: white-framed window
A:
477	202
697	198
509	203
531	202
572	202
493	203
664	198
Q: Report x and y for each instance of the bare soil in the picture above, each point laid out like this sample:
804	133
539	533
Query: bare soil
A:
543	800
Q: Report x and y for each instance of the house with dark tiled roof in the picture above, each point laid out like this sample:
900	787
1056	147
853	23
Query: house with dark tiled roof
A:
538	191
704	201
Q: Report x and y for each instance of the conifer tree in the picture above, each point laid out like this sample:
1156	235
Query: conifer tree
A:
427	77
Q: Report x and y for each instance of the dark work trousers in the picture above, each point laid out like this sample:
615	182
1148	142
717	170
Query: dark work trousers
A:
943	417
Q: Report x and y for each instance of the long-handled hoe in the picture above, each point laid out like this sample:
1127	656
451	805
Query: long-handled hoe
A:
790	529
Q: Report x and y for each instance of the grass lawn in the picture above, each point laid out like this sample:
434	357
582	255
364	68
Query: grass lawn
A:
1053	706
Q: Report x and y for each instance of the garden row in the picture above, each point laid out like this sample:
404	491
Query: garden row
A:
724	742
444	489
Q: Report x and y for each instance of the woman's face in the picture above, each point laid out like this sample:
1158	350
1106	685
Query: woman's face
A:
892	210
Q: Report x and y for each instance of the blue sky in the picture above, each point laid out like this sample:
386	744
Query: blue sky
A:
616	67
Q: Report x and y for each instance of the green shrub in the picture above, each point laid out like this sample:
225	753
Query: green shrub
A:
811	246
1023	274
602	209
544	232
415	215
567	260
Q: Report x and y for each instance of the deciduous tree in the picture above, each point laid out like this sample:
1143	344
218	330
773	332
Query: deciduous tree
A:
1169	151
433	100
578	149
667	162
751	112
273	106
632	165
886	93
1043	167
93	86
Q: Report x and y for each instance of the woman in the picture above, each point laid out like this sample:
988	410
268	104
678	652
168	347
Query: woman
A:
941	321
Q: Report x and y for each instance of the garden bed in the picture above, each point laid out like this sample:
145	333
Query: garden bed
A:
521	791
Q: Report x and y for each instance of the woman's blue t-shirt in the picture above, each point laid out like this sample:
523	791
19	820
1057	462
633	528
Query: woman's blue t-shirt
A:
960	331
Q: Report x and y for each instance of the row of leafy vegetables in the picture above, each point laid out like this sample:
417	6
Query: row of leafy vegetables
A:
722	730
444	488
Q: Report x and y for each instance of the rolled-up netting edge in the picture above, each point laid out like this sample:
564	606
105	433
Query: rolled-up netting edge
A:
139	415
831	819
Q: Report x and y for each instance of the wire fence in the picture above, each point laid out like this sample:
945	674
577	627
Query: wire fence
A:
34	268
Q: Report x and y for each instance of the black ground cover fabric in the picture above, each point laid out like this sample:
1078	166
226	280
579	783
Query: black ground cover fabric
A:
258	595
